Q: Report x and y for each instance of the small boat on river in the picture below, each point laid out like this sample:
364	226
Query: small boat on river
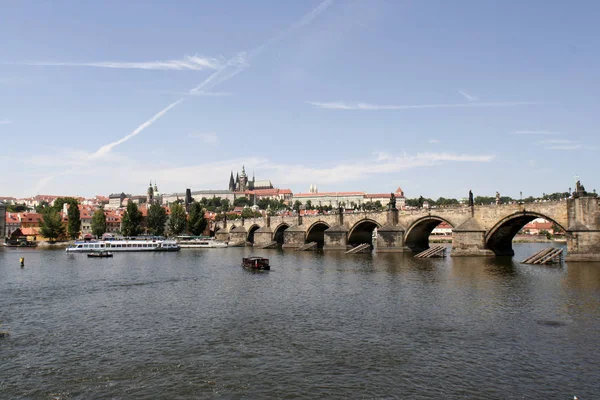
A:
256	263
100	254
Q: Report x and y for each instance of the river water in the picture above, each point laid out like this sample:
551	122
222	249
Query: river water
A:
194	324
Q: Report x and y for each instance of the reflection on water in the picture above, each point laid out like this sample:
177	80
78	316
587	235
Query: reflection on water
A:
195	324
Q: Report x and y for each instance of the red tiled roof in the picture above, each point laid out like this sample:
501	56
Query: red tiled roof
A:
30	217
538	225
378	195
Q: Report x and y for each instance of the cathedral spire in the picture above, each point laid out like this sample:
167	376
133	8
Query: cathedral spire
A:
231	182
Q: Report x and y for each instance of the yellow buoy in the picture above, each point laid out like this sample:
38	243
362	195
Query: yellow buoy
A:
22	260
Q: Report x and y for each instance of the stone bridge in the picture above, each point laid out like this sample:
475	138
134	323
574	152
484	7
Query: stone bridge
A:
476	230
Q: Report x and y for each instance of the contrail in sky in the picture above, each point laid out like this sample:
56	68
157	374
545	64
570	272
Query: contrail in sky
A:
108	147
194	63
231	68
240	62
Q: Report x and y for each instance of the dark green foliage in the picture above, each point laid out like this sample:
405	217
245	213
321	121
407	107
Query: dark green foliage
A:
273	204
51	225
98	223
216	204
132	220
297	205
157	218
43	206
177	220
74	224
242	202
60	201
197	223
14	208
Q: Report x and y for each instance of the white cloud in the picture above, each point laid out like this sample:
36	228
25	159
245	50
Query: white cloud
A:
75	171
188	63
534	132
433	141
208	138
566	147
381	155
563	145
468	96
556	141
376	107
5	122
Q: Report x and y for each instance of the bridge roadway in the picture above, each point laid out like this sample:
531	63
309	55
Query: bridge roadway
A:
479	230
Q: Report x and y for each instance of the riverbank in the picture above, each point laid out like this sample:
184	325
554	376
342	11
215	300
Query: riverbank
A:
55	245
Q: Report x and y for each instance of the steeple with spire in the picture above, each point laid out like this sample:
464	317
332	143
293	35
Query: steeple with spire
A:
231	182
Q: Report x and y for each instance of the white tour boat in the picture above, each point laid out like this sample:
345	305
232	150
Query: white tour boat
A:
198	242
125	244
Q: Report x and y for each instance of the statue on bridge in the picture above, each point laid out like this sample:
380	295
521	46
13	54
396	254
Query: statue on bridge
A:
497	198
470	198
580	191
392	203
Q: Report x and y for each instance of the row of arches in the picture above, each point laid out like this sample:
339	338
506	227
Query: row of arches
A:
498	239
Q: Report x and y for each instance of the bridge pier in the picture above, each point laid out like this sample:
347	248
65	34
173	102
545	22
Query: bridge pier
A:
336	238
238	235
583	234
390	237
263	236
222	235
469	240
294	237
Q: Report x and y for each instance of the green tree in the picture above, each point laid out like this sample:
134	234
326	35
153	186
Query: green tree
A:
241	202
43	206
51	225
131	221
248	213
157	218
177	220
297	205
197	223
15	208
60	201
225	205
74	224
98	223
309	205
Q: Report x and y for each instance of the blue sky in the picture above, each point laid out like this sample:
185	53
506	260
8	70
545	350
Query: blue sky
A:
437	97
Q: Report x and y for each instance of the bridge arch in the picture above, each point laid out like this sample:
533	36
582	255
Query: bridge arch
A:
316	233
417	235
362	232
232	227
499	238
278	233
250	237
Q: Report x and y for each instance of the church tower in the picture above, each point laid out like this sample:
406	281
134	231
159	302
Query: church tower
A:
150	194
243	180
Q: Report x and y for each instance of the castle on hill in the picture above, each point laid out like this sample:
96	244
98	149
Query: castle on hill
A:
241	183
